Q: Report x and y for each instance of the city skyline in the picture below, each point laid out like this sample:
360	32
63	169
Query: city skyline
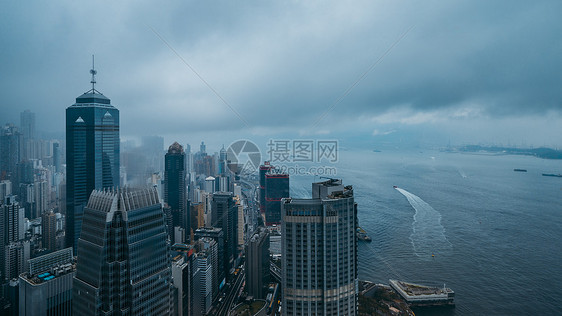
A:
373	72
432	115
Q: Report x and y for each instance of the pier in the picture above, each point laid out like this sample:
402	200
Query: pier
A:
421	295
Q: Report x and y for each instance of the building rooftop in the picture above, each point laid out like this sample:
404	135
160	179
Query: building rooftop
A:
175	148
45	262
330	182
124	199
91	97
53	273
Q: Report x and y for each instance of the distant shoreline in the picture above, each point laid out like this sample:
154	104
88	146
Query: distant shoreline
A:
542	152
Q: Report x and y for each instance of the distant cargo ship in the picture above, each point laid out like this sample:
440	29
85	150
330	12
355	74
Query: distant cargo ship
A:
552	175
421	295
520	170
362	235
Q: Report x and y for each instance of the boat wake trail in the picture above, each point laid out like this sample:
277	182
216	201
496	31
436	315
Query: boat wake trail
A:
428	235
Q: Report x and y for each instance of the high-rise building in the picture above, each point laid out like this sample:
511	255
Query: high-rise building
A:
210	184
257	264
319	253
204	267
203	148
240	229
225	215
197	216
123	266
10	223
5	189
217	235
188	158
16	254
204	164
27	125
175	194
42	195
222	183
9	230
223	162
265	168
181	279
11	152
276	188
57	157
49	231
46	289
92	154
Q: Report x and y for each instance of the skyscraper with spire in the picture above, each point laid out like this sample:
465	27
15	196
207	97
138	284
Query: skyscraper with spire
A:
92	159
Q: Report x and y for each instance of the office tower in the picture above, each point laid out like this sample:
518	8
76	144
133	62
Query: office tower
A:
203	148
222	162
49	231
204	164
179	235
169	220
57	157
276	188
5	189
92	154
257	264
225	216
204	266
210	184
265	168
181	279
319	253
42	192
152	148
197	216
175	194
11	151
217	235
123	265
27	125
222	183
25	172
240	228
188	158
47	288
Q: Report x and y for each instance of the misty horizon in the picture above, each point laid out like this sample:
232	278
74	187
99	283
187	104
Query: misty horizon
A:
370	74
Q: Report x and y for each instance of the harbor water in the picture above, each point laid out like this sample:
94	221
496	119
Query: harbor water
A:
467	221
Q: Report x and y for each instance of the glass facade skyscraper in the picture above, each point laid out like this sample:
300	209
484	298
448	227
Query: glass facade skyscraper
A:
92	155
175	194
276	188
123	264
224	215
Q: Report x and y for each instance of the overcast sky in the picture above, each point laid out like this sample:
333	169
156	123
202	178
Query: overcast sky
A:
459	71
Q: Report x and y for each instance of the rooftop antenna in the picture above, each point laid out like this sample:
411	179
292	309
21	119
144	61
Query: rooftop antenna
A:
93	72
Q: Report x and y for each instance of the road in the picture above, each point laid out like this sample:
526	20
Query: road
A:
232	296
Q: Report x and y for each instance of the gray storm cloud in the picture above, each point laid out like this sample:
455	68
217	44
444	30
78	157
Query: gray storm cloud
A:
281	65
